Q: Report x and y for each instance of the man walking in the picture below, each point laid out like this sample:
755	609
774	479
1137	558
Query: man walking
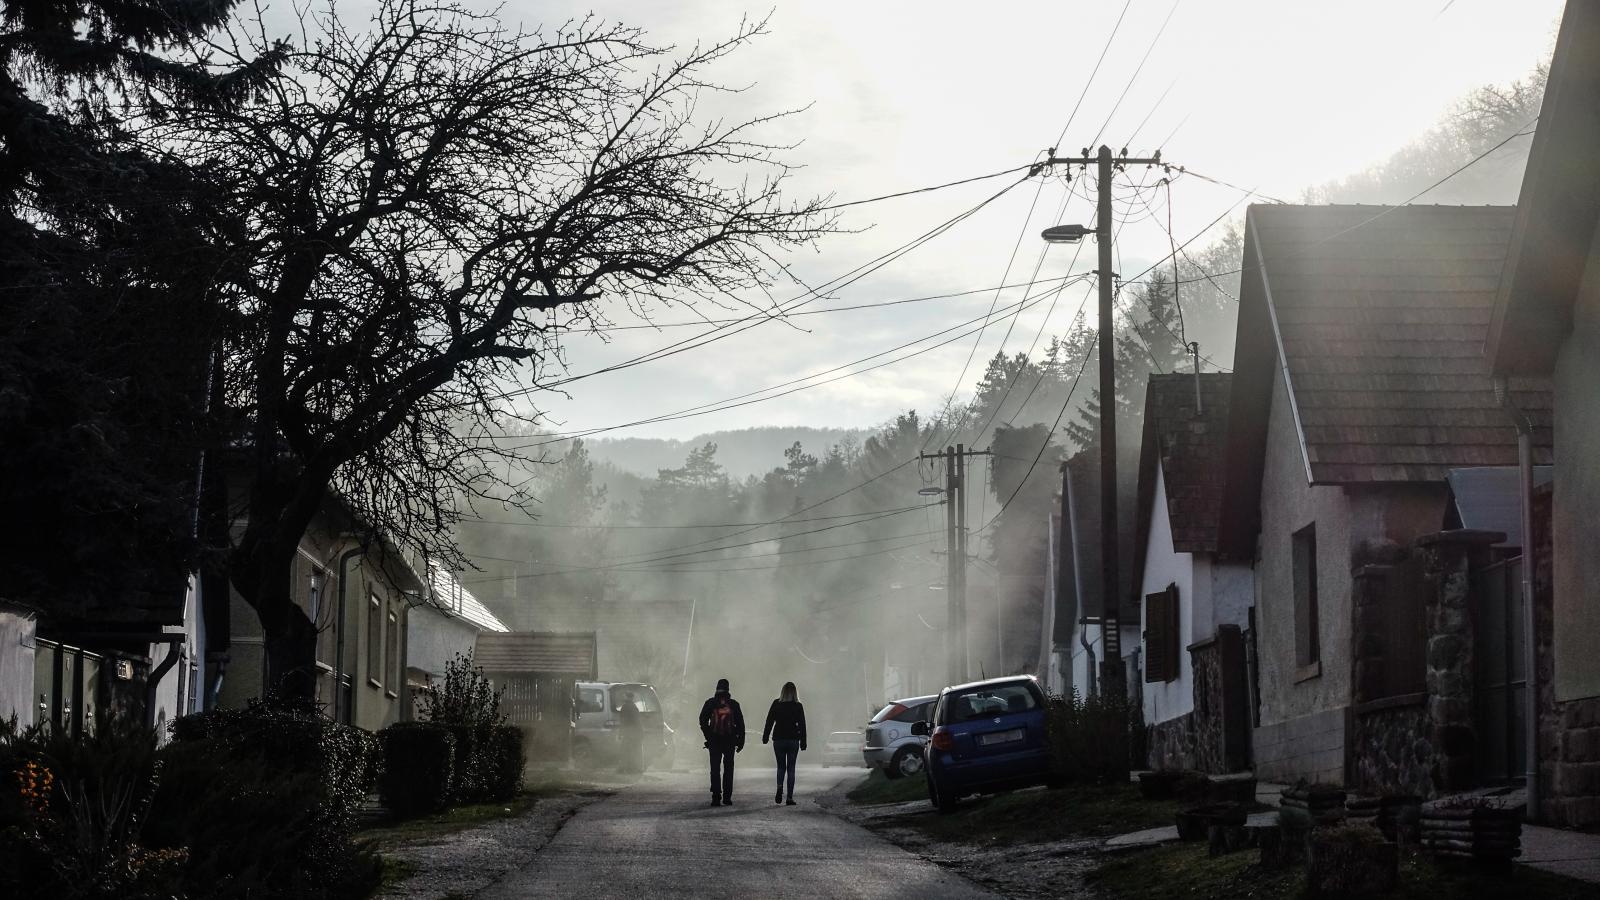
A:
722	723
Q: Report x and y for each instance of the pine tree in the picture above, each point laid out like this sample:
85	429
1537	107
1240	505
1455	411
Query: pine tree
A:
108	256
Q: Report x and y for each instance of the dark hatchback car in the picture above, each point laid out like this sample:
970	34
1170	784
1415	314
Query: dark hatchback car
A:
985	736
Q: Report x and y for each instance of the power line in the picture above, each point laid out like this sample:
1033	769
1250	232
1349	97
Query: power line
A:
1095	71
651	326
740	400
718	333
924	190
812	294
576	526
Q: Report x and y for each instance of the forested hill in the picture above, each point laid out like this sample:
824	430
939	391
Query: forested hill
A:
747	451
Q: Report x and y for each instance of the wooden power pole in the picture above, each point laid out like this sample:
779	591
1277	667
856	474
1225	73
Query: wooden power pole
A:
1106	166
955	582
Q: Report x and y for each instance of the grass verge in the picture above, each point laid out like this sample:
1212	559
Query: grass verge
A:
1039	815
454	819
1188	872
879	788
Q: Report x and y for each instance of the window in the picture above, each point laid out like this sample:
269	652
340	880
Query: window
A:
916	713
391	653
374	640
1161	661
1307	650
591	700
991	701
322	617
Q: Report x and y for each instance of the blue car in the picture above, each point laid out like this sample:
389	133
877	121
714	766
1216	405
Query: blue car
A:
985	736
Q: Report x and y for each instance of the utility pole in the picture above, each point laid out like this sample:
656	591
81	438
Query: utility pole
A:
1105	166
955	582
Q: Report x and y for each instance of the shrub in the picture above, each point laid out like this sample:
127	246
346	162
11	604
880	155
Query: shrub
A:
249	827
504	750
334	767
468	705
418	768
1089	738
74	819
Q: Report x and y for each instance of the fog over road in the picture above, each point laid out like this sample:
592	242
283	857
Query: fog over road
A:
661	838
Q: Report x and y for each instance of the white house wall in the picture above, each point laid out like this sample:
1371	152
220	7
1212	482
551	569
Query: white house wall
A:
1165	566
17	697
178	694
433	639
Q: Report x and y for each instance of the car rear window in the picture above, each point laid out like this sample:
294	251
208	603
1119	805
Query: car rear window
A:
880	714
913	714
644	697
995	700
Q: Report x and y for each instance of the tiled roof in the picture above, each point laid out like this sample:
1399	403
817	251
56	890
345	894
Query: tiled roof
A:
448	595
1190	446
1380	321
536	653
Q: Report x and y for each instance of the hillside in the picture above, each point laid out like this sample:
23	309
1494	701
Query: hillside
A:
747	451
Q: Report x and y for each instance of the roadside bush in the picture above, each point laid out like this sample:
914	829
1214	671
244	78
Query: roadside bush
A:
469	779
72	823
1089	738
334	764
505	752
418	768
468	705
248	826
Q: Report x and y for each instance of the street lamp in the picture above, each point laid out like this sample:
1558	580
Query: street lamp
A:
1065	234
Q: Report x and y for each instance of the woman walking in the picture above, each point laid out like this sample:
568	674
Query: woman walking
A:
786	725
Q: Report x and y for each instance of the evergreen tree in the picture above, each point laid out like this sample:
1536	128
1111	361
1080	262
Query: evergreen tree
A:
109	251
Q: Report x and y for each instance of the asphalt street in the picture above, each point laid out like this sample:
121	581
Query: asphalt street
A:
661	838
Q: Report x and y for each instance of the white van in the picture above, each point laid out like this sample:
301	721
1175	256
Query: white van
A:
597	731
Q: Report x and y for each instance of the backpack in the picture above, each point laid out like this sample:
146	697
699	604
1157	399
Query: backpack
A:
722	719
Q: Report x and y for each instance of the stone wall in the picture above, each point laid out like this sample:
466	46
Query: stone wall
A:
1391	750
1448	559
1569	733
1214	738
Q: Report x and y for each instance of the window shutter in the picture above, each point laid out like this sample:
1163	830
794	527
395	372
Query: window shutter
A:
1156	628
1173	631
1161	635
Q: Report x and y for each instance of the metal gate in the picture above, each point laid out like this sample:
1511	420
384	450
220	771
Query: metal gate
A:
1498	672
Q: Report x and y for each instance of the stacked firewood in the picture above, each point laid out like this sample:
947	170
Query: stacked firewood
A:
1305	806
1473	830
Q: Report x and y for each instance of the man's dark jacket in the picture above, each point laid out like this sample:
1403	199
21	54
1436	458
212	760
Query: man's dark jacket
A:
735	740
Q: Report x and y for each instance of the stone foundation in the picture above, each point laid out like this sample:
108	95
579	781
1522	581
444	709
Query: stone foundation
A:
1569	733
1390	750
1214	738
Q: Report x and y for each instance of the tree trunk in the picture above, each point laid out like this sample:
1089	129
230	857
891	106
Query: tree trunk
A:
262	571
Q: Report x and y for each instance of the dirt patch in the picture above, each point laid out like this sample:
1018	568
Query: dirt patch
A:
461	863
1043	867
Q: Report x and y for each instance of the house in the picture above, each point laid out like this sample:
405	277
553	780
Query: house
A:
359	592
1546	323
1359	383
1195	601
1073	620
444	625
538	674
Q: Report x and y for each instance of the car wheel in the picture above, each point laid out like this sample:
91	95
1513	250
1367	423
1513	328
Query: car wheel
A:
907	763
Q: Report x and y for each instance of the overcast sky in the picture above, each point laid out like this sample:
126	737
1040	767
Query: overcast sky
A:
1270	94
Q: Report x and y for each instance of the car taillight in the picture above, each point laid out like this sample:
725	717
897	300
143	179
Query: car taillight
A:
943	740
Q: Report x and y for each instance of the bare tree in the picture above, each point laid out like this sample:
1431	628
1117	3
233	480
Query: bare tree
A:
431	200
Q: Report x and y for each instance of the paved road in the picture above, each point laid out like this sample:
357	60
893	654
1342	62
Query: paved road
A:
661	838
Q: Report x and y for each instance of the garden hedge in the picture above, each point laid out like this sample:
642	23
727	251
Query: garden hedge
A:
419	763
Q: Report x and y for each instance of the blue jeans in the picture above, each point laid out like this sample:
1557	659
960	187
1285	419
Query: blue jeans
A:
786	752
